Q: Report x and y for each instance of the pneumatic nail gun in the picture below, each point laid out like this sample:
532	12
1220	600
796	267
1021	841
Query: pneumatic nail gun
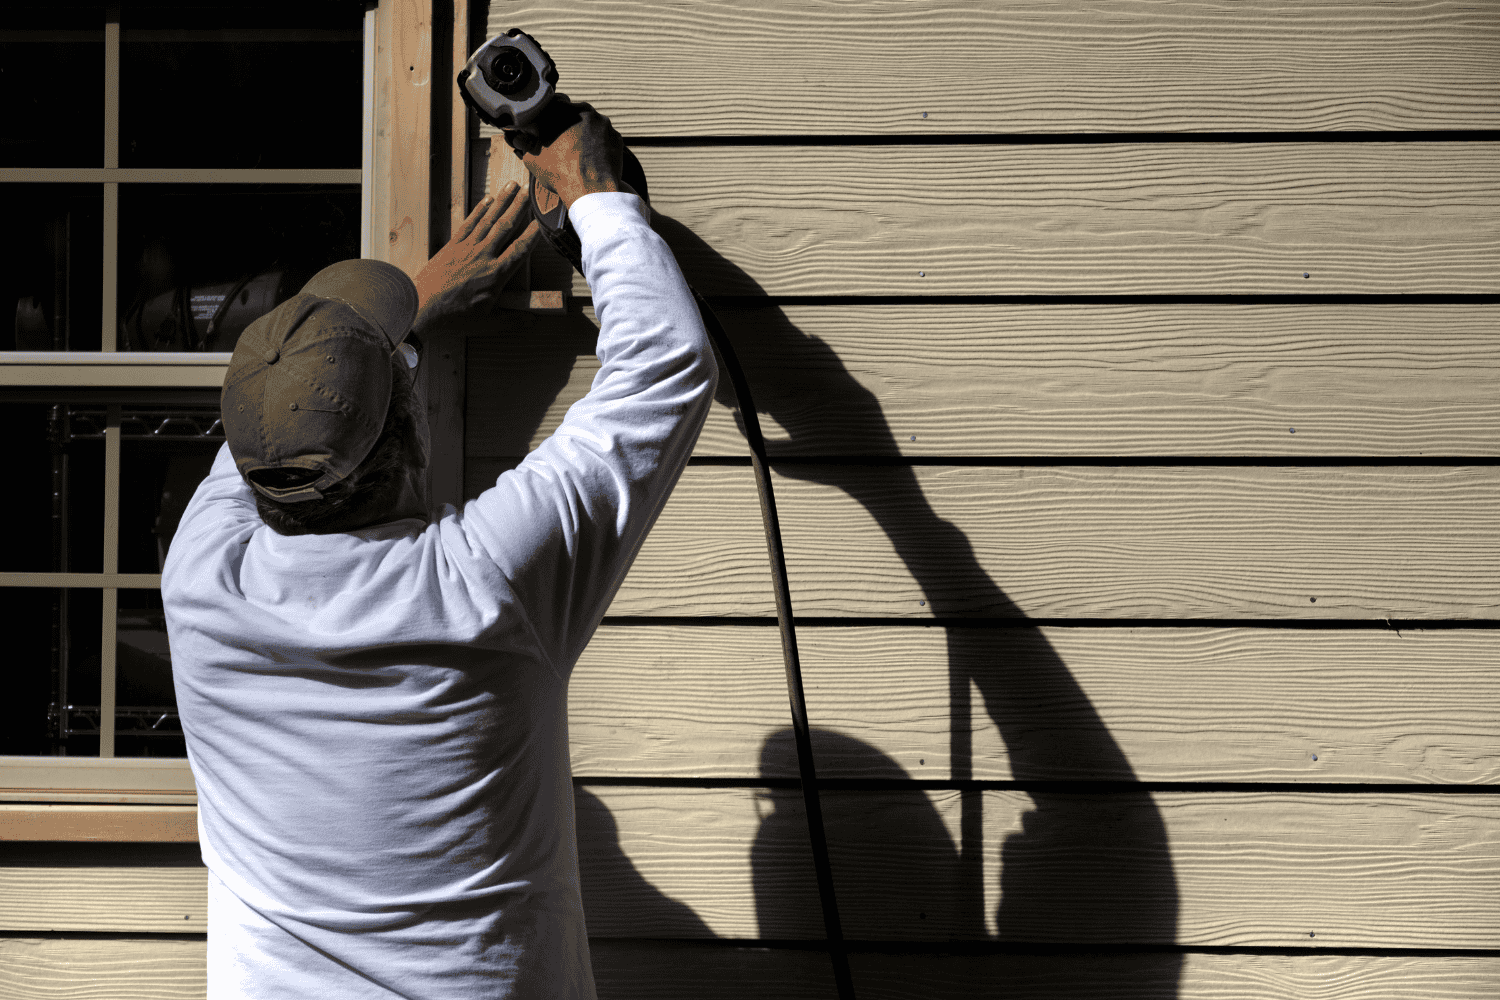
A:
508	82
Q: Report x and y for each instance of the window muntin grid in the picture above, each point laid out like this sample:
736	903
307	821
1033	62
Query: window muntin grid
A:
111	623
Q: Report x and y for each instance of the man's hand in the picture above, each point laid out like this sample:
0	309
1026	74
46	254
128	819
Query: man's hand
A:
576	153
468	273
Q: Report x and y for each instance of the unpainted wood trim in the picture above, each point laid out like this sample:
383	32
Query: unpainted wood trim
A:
404	113
127	823
462	124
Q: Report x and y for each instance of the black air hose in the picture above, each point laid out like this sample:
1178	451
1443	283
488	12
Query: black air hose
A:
750	424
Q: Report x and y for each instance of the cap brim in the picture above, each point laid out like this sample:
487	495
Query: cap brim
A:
380	292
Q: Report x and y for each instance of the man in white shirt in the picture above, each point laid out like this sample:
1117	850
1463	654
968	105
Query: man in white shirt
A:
374	695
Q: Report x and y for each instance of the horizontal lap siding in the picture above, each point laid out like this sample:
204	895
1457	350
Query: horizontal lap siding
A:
1333	542
152	969
1367	870
1050	704
1034	384
1091	219
983	380
790	67
1022	388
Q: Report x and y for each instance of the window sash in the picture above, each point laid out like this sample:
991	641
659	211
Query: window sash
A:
106	779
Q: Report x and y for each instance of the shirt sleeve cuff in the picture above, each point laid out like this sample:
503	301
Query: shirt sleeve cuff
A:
604	212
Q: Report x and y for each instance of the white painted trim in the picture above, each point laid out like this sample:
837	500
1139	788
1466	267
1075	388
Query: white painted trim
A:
367	143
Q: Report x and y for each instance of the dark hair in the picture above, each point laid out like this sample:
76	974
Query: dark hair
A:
371	490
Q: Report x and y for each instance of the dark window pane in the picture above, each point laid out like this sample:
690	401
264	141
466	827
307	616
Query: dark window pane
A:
199	262
52	87
56	501
165	451
51	267
30	617
75	715
146	723
242	87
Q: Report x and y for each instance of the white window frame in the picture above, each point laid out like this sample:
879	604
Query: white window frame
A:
106	779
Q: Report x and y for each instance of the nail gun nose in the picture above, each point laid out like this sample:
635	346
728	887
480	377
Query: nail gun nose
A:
508	71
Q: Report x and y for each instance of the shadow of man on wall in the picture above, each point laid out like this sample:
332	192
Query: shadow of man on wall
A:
1086	868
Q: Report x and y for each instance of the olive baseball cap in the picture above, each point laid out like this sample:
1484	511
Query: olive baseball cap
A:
307	389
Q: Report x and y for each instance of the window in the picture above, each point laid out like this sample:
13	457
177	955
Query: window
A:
172	173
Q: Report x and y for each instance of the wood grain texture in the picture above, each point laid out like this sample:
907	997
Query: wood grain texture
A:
1051	704
1082	541
403	133
120	968
1370	870
31	822
1096	219
1146	976
932	68
989	380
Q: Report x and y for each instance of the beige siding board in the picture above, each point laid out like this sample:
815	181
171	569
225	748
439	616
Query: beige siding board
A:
1202	704
1082	541
78	898
678	701
662	970
781	66
1371	870
1187	977
1091	219
940	380
104	968
690	863
1250	869
155	969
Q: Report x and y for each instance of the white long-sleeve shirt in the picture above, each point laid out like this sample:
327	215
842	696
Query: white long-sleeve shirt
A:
376	720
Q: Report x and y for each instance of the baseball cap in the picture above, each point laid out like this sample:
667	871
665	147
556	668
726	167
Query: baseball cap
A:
307	388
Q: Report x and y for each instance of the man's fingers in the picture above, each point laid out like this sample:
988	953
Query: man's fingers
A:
467	226
497	207
502	232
